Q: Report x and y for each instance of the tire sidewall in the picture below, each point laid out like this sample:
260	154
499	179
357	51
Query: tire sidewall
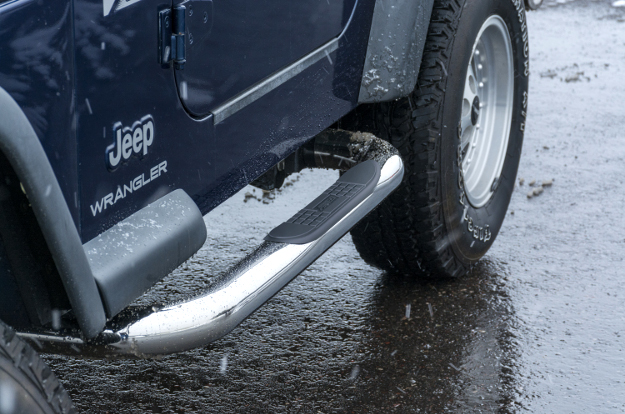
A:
472	230
28	377
27	394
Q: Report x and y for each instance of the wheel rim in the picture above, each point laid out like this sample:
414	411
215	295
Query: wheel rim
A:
486	111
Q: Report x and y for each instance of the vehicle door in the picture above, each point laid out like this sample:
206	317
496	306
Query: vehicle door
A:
233	44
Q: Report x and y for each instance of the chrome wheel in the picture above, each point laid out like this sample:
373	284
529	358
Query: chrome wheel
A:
486	111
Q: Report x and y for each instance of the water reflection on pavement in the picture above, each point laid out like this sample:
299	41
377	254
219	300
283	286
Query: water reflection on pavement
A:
456	350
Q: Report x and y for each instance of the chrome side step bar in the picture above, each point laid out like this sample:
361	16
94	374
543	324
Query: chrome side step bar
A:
234	295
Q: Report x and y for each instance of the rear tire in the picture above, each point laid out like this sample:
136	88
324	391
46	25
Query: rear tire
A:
27	385
429	226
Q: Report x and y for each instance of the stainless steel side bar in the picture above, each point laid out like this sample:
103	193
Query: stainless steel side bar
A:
227	302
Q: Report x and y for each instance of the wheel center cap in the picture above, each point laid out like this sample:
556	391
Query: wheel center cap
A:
475	110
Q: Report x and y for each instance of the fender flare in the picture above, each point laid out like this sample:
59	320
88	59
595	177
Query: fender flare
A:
21	146
396	42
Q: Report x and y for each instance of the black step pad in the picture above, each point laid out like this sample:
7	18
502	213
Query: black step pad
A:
330	207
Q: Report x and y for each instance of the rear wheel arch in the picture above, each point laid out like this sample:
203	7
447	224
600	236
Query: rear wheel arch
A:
29	284
24	153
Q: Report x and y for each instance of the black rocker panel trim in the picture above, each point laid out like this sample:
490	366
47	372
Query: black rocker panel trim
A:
330	207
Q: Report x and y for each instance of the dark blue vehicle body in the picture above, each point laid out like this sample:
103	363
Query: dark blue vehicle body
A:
76	73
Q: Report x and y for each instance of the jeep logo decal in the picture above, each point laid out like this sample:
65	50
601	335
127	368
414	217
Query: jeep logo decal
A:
130	141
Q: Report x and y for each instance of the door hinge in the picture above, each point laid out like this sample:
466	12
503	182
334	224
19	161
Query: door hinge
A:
172	41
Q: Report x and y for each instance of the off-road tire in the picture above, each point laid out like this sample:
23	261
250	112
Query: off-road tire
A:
26	382
422	228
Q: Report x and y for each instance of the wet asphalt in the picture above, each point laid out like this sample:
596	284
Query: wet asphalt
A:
538	326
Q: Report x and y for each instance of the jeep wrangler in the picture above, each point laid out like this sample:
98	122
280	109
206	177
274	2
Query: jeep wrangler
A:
124	122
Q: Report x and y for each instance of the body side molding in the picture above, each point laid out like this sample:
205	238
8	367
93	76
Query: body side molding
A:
267	85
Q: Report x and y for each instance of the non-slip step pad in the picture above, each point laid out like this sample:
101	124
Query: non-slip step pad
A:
330	207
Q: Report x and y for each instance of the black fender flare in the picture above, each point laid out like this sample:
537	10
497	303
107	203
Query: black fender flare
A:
21	146
396	42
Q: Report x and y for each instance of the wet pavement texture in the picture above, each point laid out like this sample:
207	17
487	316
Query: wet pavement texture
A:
538	326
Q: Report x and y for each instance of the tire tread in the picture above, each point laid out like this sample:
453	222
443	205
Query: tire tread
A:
406	233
